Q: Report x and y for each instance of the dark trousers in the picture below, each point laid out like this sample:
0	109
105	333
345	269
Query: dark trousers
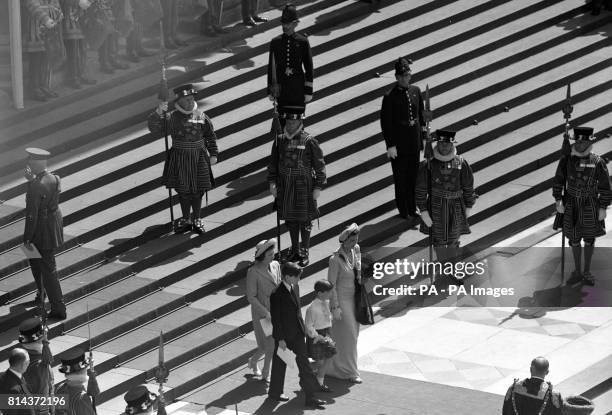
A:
76	58
170	18
39	70
308	380
405	170
45	269
249	8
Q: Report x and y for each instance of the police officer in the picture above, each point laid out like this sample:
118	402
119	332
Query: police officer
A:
140	400
296	175
38	376
74	367
402	121
194	150
44	227
452	197
533	395
587	197
290	71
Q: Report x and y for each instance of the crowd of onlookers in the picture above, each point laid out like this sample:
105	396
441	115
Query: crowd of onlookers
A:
57	35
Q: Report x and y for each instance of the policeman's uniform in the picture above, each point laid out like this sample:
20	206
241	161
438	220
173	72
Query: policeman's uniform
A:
402	122
290	66
532	396
188	166
588	190
44	229
38	376
74	366
452	192
296	168
140	400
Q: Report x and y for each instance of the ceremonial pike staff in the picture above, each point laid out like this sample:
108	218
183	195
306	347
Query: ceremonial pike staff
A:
161	375
565	152
276	130
93	389
428	153
163	96
47	356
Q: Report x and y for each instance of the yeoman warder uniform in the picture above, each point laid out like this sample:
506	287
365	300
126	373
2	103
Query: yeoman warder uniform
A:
74	367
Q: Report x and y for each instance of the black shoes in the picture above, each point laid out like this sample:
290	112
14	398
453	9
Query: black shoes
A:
326	389
588	279
575	278
315	403
56	315
303	261
259	19
249	22
182	225
198	226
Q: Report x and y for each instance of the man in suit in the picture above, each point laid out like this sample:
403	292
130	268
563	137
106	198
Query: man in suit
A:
403	122
289	332
12	381
44	227
533	395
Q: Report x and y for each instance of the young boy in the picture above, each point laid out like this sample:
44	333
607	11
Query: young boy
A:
318	324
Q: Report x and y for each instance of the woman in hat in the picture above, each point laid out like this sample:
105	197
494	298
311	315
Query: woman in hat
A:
587	197
262	279
344	269
194	150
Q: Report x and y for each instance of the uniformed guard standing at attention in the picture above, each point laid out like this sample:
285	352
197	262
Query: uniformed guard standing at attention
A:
588	196
38	376
74	367
290	70
296	175
452	197
533	395
140	400
44	227
194	150
403	124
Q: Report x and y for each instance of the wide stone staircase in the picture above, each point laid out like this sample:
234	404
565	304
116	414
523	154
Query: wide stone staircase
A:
497	72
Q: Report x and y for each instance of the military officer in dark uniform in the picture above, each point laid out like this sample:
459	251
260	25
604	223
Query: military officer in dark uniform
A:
402	121
587	197
290	71
194	150
452	197
38	376
74	367
296	175
533	395
140	400
44	227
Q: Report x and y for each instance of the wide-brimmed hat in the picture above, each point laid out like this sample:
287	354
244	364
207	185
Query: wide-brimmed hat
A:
352	229
263	246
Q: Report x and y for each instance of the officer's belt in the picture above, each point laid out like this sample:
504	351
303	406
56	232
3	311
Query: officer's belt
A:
45	212
188	145
576	192
288	171
447	194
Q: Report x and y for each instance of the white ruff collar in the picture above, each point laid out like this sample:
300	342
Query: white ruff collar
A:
184	111
440	157
291	136
585	153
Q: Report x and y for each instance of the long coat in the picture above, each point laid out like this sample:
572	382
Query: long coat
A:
39	378
401	119
44	223
297	169
78	402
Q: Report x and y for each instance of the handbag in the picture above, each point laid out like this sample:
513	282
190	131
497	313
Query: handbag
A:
363	309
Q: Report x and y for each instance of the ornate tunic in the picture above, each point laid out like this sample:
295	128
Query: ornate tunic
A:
34	14
297	169
588	190
401	119
78	403
452	191
532	396
72	19
289	54
194	141
39	378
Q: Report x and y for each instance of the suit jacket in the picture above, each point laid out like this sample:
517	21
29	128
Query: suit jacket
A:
287	321
402	120
10	384
44	223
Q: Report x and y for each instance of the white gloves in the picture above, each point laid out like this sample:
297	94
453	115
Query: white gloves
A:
273	190
316	193
559	206
602	214
426	218
468	212
392	152
213	160
162	107
307	98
